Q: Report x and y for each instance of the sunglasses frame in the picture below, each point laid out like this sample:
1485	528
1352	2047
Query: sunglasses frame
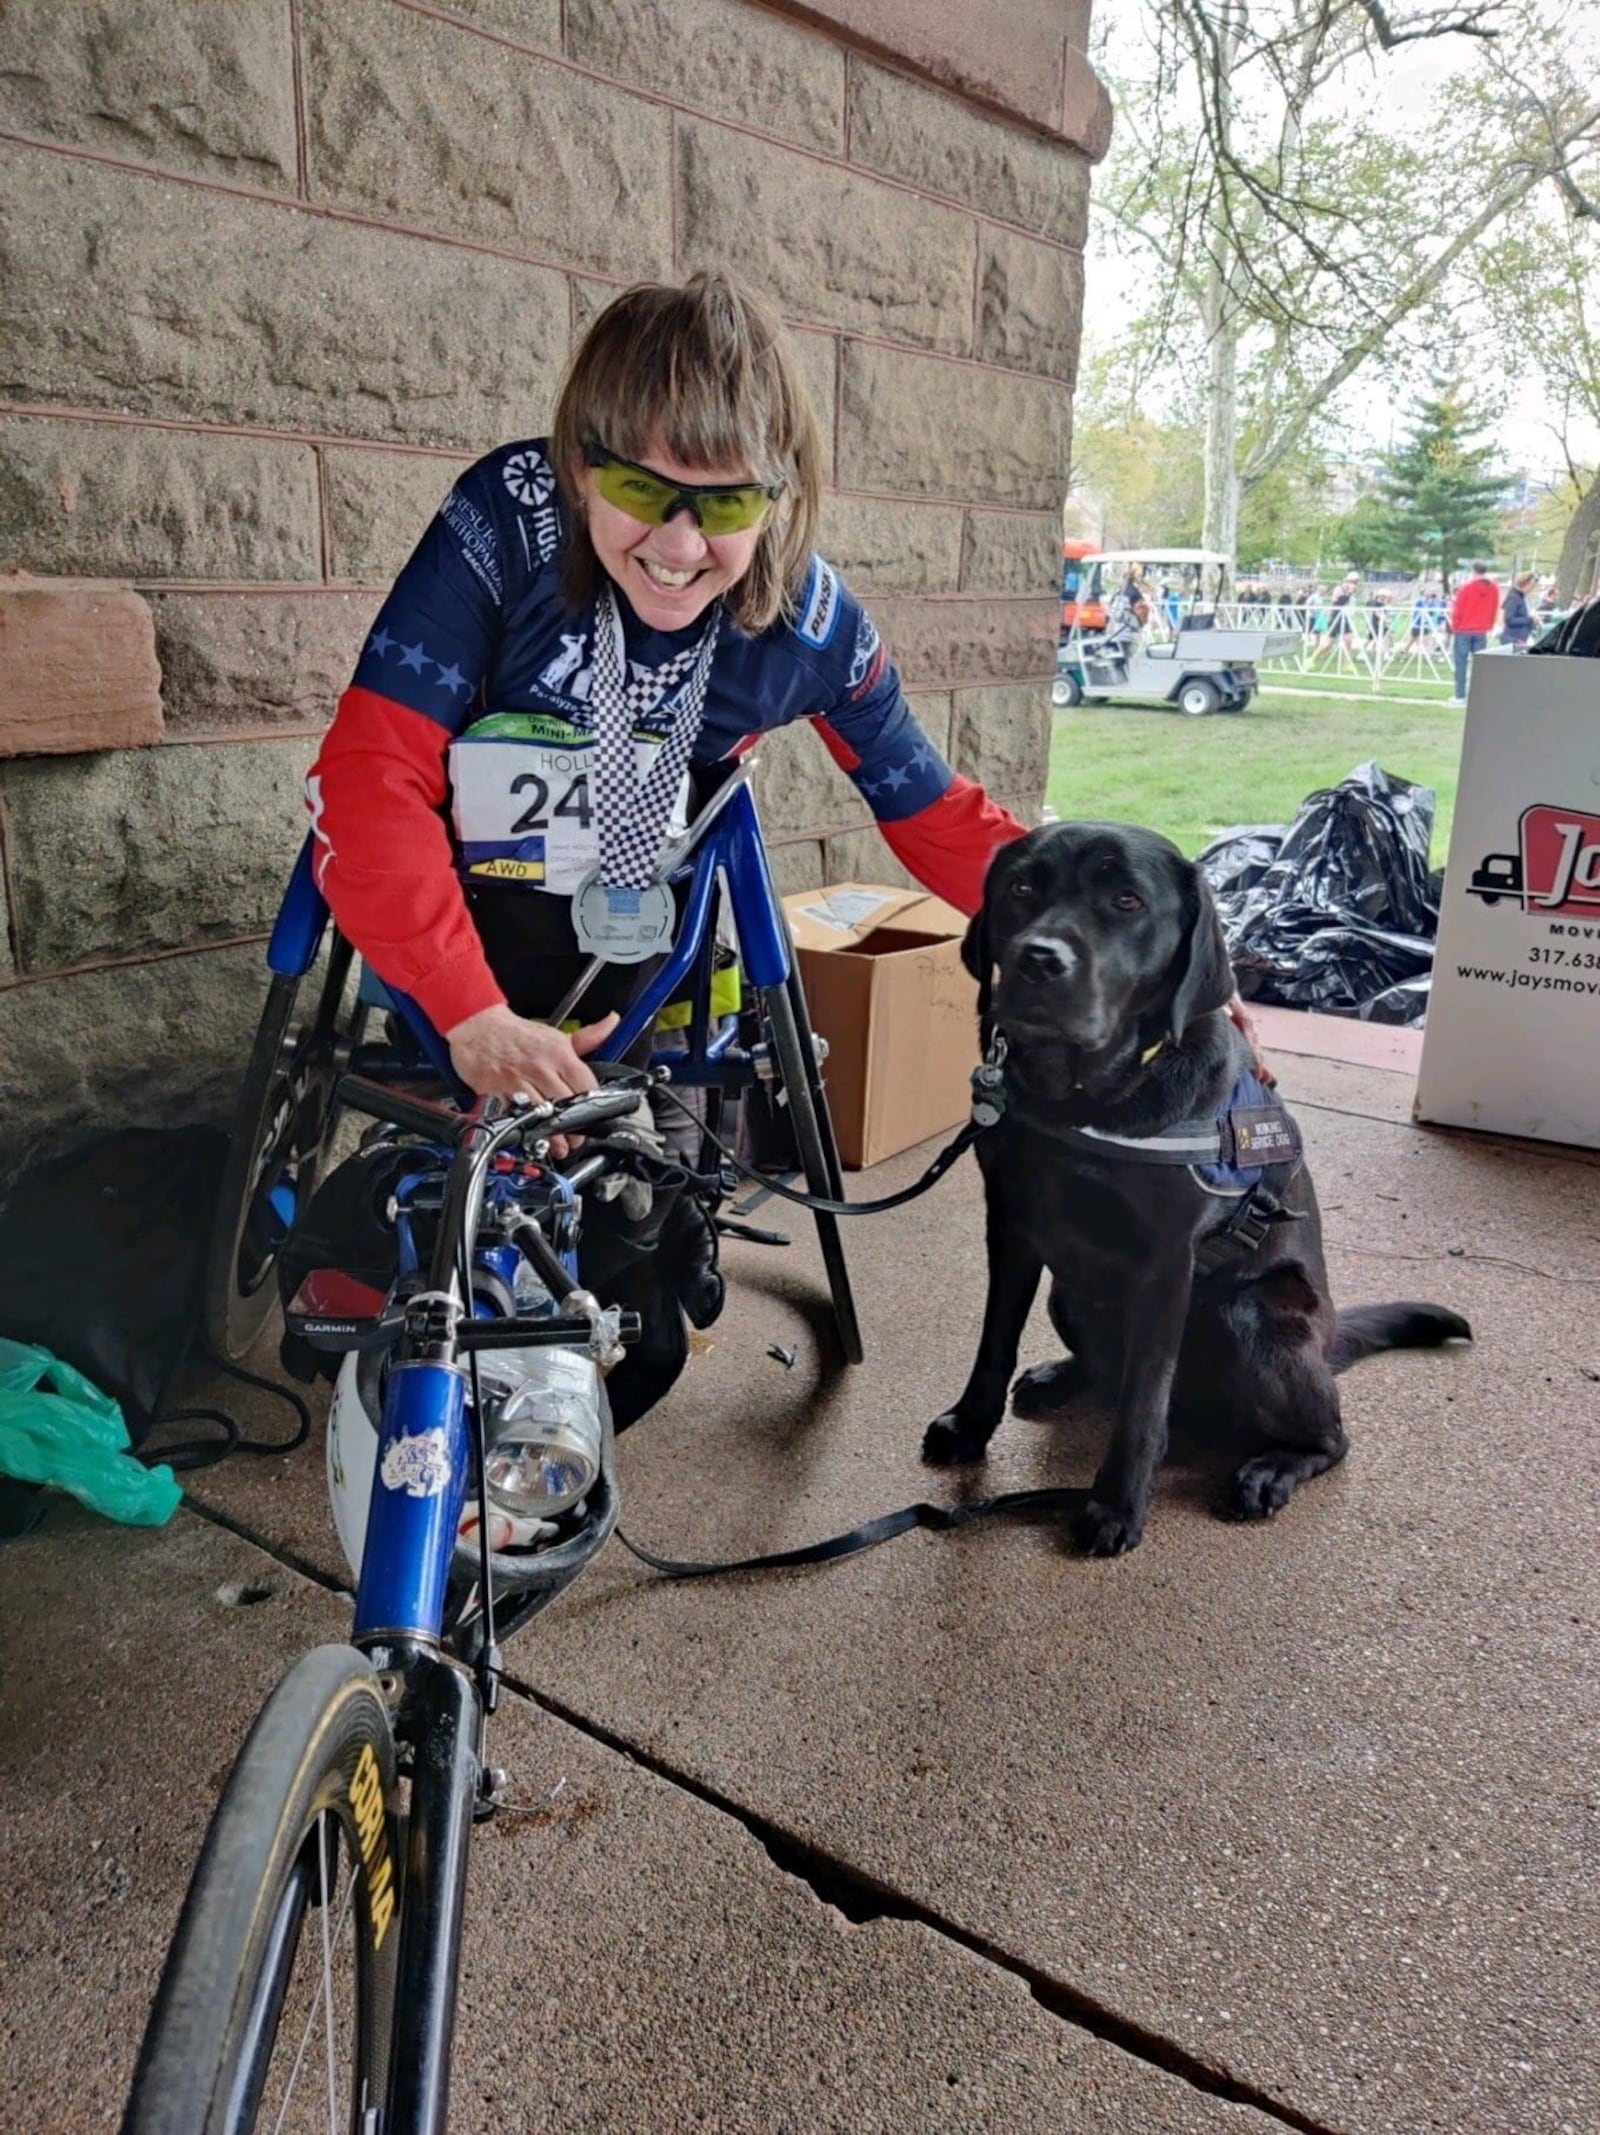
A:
684	494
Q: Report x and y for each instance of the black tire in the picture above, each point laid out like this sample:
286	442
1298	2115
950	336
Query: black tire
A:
318	1767
282	1133
1197	697
789	1023
1066	690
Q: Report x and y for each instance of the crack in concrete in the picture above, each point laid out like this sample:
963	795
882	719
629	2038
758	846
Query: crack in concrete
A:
860	1898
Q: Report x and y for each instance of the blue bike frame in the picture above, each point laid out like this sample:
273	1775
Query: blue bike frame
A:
425	1443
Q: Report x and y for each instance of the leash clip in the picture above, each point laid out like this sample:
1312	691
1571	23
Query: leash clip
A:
988	1095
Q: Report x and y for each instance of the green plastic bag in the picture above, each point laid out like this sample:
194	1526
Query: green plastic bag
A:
58	1428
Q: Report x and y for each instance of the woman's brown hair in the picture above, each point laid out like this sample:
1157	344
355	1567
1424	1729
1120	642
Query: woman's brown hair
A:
703	372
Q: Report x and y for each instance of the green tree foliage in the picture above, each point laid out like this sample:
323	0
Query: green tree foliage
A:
1439	490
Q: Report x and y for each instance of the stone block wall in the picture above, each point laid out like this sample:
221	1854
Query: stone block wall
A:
274	271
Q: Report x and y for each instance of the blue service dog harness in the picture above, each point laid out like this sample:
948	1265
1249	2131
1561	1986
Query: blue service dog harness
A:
1231	1155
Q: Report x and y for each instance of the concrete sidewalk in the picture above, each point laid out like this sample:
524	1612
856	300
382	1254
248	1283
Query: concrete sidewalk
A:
1261	1827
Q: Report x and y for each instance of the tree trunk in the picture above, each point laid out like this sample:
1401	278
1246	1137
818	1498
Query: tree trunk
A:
1575	573
1221	322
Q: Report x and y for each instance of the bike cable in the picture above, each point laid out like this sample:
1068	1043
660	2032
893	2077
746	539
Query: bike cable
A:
191	1453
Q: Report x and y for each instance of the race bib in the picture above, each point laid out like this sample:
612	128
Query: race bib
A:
522	800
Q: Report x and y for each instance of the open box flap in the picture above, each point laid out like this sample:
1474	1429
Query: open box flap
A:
844	914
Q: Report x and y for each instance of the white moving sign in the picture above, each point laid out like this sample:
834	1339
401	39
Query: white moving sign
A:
1513	1035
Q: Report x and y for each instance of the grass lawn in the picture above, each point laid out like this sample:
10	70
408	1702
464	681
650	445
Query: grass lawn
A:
1193	778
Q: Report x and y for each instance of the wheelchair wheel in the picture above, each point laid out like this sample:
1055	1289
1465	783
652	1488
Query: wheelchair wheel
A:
276	2007
789	1022
282	1134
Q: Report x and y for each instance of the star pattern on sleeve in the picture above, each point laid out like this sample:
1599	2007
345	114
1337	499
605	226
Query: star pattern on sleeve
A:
417	659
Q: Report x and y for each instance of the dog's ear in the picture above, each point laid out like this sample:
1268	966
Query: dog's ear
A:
978	957
1204	974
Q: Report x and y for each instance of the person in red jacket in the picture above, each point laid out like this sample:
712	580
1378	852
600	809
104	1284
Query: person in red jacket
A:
1472	614
596	626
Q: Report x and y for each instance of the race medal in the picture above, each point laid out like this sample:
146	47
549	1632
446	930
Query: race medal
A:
623	925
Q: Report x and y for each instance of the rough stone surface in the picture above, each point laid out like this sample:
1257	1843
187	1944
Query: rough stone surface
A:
190	84
722	56
801	788
934	709
862	856
379	506
884	547
535	22
1009	552
129	292
234	662
1001	737
939	145
942	641
931	429
409	118
825	243
106	501
8	962
797	865
77	669
1030	303
1012	53
151	848
161	1044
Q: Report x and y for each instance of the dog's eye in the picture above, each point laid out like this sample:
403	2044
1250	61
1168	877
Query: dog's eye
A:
1126	901
1023	890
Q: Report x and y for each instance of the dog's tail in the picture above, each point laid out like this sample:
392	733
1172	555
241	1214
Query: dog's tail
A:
1366	1330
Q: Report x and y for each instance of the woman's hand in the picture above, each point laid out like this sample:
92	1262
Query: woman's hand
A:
1247	1031
501	1054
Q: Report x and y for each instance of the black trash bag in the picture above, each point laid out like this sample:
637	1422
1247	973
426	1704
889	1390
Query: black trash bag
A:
1576	636
102	1259
1405	1003
1234	863
1347	908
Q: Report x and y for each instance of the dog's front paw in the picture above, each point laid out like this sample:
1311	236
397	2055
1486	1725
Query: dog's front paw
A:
951	1442
1103	1530
1260	1488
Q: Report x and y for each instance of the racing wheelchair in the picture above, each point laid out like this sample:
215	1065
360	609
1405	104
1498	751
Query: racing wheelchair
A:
314	1030
312	1979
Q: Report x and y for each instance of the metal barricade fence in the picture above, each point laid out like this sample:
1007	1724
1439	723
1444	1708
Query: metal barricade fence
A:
1385	645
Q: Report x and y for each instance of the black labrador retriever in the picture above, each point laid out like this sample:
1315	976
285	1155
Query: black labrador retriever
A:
1138	1158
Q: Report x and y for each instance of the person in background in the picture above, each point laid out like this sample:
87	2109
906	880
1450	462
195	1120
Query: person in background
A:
1516	616
1548	604
1472	615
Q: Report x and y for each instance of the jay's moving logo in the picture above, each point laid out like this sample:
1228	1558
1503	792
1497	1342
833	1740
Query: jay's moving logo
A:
1556	869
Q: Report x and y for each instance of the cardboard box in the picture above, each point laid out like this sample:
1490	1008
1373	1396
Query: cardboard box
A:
1513	1027
884	981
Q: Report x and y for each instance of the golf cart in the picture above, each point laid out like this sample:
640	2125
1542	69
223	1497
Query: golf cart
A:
1140	624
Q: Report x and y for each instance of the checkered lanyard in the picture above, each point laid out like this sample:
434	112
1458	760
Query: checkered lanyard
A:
631	816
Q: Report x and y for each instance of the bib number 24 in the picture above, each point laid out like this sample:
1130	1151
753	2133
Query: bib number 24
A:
573	805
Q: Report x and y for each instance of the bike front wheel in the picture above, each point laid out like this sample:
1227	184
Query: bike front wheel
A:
276	2004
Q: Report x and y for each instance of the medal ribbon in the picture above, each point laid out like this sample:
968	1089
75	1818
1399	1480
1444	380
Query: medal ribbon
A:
631	815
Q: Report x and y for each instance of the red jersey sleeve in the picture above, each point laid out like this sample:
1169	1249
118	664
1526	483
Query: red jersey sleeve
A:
383	856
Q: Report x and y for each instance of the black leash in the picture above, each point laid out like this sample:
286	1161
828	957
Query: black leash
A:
931	1177
940	1518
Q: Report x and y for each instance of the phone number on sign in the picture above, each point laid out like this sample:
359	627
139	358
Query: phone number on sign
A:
1574	959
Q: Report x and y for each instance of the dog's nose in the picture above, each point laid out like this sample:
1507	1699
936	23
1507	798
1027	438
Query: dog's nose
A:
1045	958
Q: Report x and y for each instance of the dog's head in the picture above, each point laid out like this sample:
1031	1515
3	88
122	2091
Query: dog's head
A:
1094	941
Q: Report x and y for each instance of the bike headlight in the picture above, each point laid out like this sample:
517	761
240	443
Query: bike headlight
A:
544	1451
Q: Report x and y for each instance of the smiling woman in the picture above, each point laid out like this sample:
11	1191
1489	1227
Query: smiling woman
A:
593	630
